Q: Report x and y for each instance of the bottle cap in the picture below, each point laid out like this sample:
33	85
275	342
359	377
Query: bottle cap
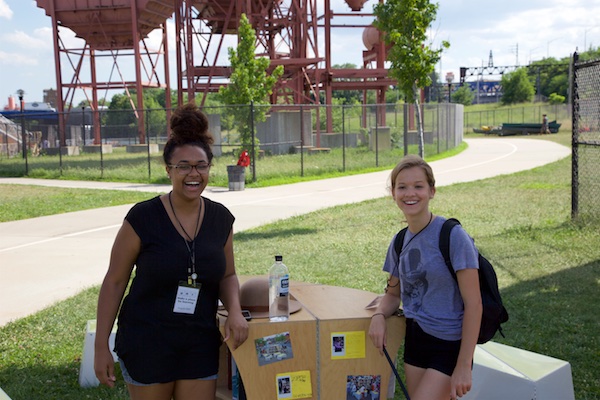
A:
278	258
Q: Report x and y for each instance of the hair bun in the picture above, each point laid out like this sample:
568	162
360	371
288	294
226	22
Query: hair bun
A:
189	124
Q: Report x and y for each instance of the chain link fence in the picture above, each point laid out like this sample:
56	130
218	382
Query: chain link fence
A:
494	118
291	140
586	140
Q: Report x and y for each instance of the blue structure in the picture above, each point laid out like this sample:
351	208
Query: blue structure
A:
37	115
485	91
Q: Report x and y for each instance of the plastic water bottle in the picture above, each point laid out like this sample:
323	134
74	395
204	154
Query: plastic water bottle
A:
279	284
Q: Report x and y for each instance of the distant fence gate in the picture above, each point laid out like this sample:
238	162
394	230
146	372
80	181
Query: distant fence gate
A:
585	200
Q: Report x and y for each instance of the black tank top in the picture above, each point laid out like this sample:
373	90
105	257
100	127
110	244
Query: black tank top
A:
156	344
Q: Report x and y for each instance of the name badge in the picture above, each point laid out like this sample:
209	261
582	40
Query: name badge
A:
186	299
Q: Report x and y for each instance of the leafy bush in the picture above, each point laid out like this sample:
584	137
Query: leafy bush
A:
556	99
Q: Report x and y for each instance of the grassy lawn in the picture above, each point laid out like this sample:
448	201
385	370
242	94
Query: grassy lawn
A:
548	269
25	201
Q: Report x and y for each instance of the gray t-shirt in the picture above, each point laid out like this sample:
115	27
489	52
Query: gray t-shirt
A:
429	294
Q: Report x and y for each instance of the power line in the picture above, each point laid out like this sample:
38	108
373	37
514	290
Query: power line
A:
500	70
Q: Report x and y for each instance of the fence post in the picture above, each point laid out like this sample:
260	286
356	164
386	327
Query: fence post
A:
101	153
405	111
437	119
343	138
24	140
376	136
83	124
6	140
253	158
146	114
574	140
302	140
438	133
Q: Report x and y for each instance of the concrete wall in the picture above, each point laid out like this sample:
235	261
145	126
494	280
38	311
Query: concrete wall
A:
444	124
337	139
214	127
459	120
413	137
380	137
282	131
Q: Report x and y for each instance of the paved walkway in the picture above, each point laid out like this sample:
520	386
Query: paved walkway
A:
47	259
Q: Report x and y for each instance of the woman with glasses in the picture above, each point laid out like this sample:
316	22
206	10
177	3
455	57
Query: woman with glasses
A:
181	245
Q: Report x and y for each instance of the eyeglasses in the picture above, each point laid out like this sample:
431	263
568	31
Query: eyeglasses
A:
184	169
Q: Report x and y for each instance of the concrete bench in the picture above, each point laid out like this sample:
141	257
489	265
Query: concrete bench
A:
96	148
319	150
305	149
3	395
504	372
64	150
87	376
151	148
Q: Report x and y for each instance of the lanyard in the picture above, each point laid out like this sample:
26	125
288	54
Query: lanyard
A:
192	276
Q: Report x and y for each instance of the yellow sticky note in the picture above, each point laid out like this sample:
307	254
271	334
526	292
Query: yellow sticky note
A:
345	345
294	385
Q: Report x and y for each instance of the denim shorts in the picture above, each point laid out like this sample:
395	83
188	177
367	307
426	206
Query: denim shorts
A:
426	351
128	379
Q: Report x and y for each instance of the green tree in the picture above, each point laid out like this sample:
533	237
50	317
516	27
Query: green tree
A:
86	103
516	87
249	83
121	116
404	24
120	111
463	95
351	109
558	84
590	54
549	75
556	99
213	105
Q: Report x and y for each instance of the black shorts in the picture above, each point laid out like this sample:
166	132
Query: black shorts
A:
425	351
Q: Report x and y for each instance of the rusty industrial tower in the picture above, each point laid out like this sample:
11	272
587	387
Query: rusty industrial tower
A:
294	33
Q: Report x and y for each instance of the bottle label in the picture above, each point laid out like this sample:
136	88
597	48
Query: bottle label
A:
284	286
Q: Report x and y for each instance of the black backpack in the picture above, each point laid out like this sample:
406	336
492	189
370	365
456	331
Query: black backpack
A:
494	312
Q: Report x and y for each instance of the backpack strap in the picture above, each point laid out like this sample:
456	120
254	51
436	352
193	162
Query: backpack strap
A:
399	242
445	243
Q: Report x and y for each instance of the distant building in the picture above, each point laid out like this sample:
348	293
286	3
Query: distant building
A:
485	91
50	97
38	106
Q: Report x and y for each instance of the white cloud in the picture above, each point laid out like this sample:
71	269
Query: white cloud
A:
44	33
23	40
5	11
68	38
16	59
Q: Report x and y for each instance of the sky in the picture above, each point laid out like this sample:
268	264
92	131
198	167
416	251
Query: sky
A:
514	31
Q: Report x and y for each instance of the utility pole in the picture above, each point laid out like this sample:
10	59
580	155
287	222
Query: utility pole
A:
516	50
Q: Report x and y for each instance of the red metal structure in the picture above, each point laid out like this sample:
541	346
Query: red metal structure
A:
294	33
291	33
115	30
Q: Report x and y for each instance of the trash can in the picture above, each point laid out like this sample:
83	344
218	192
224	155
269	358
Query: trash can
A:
237	177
